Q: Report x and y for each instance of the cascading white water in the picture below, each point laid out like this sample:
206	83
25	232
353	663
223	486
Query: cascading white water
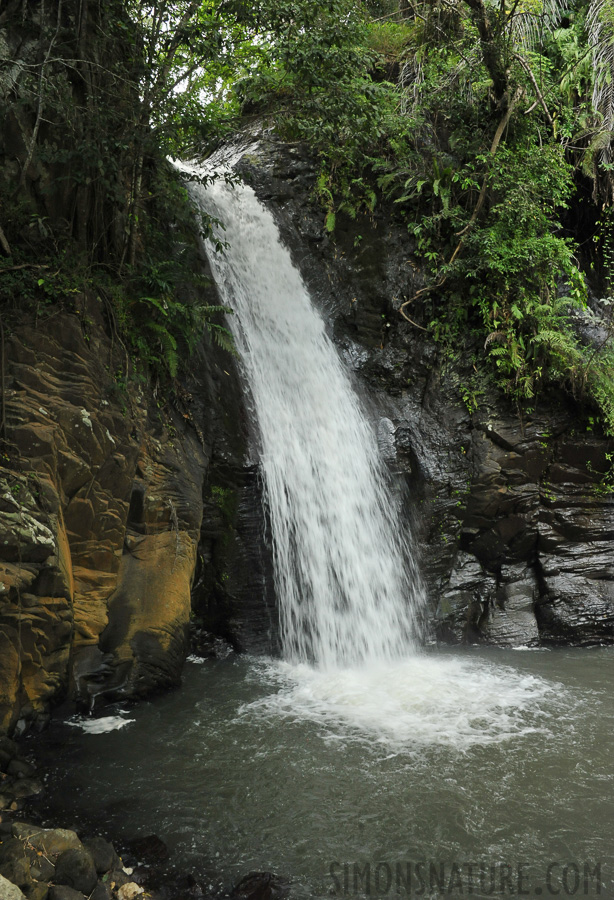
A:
347	586
345	580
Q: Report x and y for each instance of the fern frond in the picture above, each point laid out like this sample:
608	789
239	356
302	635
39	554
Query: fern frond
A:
160	305
169	347
222	337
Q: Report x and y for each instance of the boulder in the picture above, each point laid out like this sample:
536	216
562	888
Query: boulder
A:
37	891
17	870
63	892
103	854
50	841
75	868
129	891
261	886
102	891
9	891
20	768
148	849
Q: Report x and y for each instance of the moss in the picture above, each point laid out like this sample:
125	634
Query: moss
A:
226	501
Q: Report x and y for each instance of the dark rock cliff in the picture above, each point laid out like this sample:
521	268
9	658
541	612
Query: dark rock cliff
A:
513	518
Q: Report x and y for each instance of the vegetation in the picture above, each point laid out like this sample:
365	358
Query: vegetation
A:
487	126
89	203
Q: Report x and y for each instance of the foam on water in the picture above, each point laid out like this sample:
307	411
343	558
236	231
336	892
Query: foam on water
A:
101	725
425	700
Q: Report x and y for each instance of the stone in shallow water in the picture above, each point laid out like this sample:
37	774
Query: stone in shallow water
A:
150	848
118	877
129	891
37	891
15	861
260	886
101	892
20	768
25	787
51	841
40	868
64	892
8	748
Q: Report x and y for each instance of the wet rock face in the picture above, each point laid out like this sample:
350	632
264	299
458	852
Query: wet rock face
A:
513	518
100	514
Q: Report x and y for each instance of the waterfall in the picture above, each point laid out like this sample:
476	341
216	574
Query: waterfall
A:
345	580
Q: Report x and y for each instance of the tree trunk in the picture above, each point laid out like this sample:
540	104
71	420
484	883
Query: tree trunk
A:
492	52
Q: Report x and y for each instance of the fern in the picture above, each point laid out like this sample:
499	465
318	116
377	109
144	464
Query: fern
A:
222	337
160	305
168	345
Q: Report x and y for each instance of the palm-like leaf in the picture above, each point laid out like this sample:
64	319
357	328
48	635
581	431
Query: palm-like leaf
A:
600	27
533	21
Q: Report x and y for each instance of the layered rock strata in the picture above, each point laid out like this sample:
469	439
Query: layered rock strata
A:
100	514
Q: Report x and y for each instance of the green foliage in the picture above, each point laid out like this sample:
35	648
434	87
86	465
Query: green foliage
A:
390	41
605	484
475	119
160	305
318	86
514	266
162	331
158	308
482	177
110	90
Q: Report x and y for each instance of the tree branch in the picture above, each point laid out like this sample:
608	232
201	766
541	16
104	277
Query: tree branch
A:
4	243
493	149
539	94
39	109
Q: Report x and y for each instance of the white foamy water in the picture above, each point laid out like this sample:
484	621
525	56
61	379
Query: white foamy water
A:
101	725
345	581
418	702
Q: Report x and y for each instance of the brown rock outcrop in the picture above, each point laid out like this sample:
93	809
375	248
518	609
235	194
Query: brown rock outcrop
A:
100	513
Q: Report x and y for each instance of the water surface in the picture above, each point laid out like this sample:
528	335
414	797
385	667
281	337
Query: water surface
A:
482	757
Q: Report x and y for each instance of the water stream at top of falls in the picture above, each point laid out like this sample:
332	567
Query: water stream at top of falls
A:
346	583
